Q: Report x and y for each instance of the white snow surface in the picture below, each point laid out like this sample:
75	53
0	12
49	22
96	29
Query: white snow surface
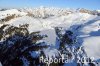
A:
92	46
89	32
0	64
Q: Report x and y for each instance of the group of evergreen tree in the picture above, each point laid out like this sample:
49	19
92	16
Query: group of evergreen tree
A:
19	47
17	44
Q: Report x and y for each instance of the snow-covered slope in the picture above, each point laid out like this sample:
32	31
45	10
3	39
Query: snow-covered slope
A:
11	12
46	19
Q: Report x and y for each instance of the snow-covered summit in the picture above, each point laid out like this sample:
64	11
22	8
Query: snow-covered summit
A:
44	12
83	23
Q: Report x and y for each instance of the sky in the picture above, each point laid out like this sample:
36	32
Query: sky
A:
88	4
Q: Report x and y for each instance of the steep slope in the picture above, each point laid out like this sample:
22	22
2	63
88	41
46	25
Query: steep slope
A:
65	29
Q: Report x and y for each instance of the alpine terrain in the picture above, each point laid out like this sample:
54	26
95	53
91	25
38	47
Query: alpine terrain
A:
49	37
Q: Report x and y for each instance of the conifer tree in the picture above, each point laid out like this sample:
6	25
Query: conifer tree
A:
18	45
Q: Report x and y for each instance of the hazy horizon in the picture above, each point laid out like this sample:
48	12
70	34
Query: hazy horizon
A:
74	4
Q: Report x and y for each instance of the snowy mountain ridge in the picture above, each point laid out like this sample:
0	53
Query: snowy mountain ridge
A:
45	11
64	29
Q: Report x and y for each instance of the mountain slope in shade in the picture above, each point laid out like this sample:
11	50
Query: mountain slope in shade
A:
84	25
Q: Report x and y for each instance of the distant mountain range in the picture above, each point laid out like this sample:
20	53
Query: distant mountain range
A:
26	34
